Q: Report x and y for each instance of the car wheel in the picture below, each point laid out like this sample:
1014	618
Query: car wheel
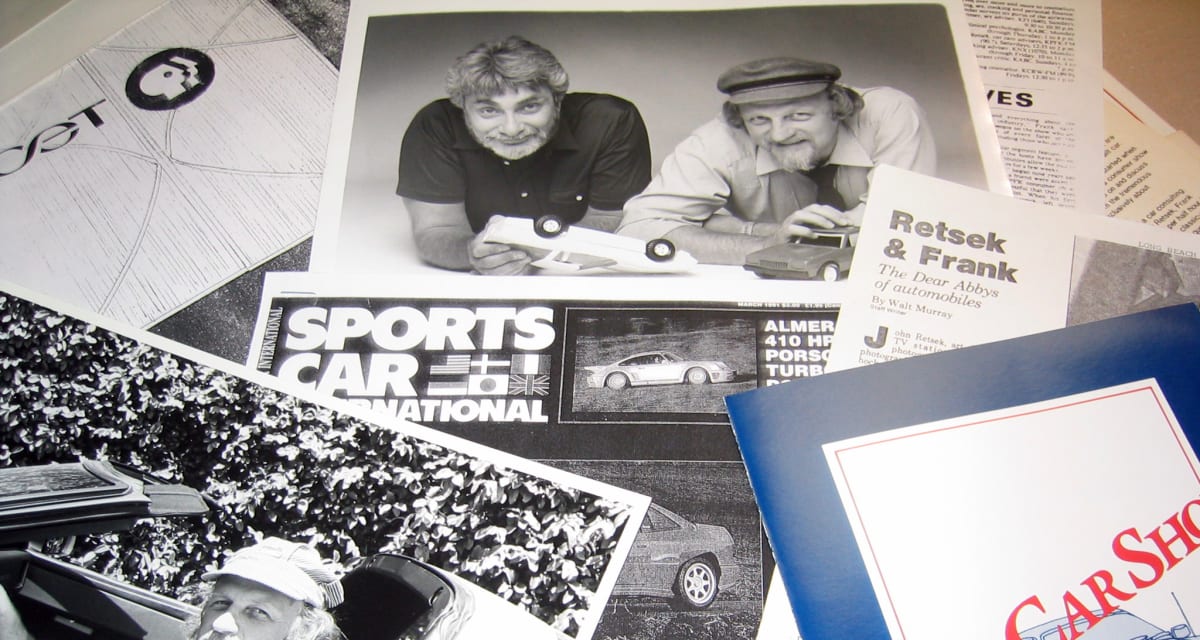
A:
616	381
696	375
660	250
549	226
696	584
830	272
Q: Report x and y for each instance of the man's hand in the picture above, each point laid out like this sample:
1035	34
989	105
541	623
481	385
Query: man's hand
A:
802	222
495	259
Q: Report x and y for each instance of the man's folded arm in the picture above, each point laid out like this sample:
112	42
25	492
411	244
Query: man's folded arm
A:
441	232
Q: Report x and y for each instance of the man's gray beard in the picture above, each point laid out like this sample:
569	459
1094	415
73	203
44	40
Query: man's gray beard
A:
795	157
523	150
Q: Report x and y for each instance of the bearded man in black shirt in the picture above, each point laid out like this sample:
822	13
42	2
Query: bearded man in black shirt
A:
509	140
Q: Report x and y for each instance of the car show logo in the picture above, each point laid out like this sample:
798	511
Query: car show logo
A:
169	79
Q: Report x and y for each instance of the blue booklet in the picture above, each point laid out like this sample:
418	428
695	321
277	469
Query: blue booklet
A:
1035	487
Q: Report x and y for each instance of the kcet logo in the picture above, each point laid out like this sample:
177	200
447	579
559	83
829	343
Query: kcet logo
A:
169	79
166	80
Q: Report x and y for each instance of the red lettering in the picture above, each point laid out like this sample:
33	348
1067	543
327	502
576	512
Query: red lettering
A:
1189	522
1076	611
1137	556
1011	632
1101	593
1164	546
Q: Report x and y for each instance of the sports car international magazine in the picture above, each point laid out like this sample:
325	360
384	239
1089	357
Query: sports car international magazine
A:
615	382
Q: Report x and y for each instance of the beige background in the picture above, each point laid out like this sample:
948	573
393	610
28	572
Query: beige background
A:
1151	47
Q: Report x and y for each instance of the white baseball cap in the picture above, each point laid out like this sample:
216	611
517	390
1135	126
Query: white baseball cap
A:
291	568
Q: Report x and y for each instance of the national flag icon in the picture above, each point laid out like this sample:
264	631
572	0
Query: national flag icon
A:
467	375
453	370
446	387
535	385
458	364
530	364
487	384
464	375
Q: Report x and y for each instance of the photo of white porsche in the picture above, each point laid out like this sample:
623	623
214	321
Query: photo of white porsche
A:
658	367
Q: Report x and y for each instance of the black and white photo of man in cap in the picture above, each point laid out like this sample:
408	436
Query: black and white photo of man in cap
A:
792	150
273	590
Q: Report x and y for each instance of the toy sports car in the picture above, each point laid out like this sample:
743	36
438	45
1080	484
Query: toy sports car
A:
658	367
825	256
563	249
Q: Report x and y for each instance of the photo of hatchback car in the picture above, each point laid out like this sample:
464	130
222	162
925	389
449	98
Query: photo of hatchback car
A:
387	596
658	367
826	256
675	558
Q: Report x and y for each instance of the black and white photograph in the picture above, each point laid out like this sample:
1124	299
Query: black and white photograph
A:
696	568
1111	279
109	433
654	142
658	364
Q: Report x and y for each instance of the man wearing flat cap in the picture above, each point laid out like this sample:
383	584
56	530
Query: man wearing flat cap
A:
273	590
791	151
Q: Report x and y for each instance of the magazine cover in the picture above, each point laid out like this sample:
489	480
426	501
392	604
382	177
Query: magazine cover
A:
618	383
182	151
276	460
986	491
634	87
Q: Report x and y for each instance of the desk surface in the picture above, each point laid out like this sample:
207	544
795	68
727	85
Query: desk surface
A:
1150	46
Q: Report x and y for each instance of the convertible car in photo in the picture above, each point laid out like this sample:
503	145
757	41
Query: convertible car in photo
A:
658	367
674	558
387	596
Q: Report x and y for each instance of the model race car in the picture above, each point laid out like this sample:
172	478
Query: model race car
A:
388	596
658	367
826	256
563	249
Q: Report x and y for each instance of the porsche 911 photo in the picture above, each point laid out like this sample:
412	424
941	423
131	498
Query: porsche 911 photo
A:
675	558
658	367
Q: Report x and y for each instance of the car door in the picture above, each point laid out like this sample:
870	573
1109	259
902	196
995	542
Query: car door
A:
659	369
